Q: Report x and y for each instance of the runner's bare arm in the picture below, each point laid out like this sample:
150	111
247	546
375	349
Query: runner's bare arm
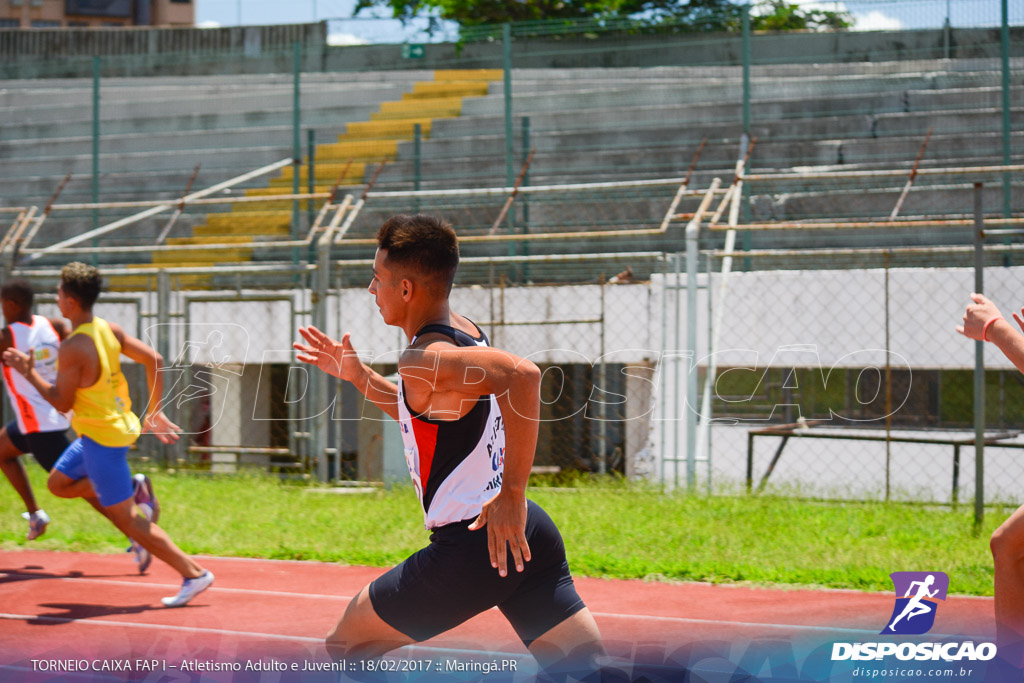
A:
341	360
60	395
60	326
984	322
515	382
155	421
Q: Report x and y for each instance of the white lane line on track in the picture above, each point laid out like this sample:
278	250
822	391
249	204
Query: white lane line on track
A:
606	615
159	627
175	586
245	634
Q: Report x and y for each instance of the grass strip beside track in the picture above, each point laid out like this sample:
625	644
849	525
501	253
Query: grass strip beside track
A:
611	529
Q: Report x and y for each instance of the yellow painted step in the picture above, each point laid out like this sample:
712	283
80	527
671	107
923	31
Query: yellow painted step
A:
359	150
192	264
210	239
201	256
441	107
241	228
389	129
469	75
286	204
327	172
133	283
426	89
254	218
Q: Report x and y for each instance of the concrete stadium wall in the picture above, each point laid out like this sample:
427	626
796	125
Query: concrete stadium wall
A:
683	50
267	49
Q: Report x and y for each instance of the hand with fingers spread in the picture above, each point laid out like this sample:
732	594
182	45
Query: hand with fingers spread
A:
504	515
338	359
980	317
161	427
20	361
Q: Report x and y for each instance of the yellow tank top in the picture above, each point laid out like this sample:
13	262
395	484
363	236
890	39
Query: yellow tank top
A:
103	411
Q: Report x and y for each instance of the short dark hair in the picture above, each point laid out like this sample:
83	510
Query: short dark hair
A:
427	244
81	281
19	291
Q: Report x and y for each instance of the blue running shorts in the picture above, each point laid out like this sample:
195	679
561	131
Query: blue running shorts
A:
106	466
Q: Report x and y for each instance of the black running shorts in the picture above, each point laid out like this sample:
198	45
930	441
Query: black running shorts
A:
452	579
45	446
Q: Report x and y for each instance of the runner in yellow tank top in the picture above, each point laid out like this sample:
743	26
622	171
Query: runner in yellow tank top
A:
103	411
89	381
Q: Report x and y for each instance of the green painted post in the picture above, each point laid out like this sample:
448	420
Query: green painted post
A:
1005	48
506	41
296	140
417	139
525	249
746	126
95	148
979	364
311	172
746	69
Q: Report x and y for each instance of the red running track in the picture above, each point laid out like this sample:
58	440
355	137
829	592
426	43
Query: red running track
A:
81	606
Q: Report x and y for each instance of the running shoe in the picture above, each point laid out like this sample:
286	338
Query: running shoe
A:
144	496
37	522
142	556
190	588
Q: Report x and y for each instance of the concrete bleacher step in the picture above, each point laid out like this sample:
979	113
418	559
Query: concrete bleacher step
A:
135	143
159	123
952	149
766	111
725	90
357	150
210	239
216	162
876	203
324	171
128	283
386	129
199	256
437	107
198	105
426	90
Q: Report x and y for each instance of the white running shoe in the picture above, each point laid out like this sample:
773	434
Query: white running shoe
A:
37	522
190	588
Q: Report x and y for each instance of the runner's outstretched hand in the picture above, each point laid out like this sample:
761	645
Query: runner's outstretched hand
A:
504	515
161	426
978	315
338	359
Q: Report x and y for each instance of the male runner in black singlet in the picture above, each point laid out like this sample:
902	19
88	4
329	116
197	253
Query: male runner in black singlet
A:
469	418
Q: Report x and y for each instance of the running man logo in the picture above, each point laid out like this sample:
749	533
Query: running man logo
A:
917	594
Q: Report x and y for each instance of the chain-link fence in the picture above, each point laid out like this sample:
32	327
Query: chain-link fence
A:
837	371
837	368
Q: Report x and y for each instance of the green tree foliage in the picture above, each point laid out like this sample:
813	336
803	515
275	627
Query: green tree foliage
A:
666	15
